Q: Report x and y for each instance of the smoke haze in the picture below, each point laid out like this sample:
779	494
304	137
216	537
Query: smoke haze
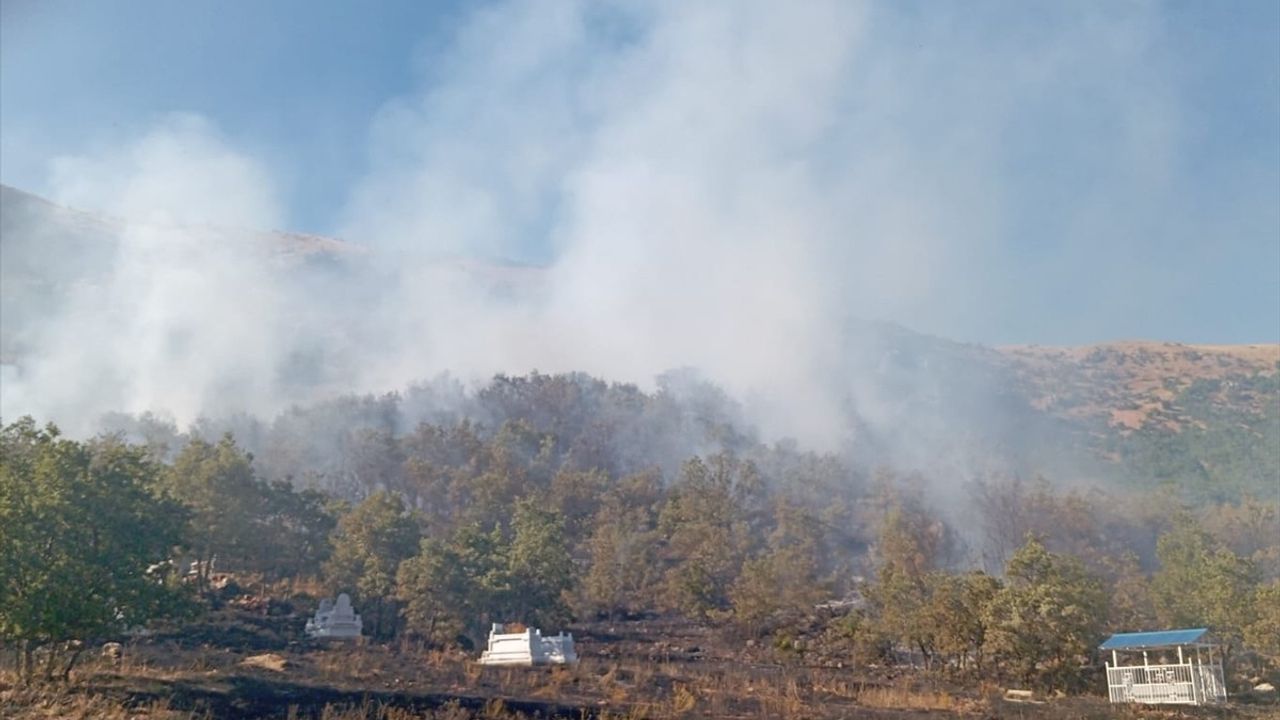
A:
717	186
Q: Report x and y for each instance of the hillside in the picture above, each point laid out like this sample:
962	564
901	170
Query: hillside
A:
1134	384
48	251
1203	418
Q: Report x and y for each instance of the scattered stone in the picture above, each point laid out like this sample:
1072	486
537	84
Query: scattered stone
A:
1019	696
252	603
113	651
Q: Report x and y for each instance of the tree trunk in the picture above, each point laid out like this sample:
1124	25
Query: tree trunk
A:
71	662
26	666
51	663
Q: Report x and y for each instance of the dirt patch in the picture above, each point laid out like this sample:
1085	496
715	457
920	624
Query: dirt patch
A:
268	661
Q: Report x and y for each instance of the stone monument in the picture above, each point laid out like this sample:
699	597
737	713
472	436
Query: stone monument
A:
335	620
527	648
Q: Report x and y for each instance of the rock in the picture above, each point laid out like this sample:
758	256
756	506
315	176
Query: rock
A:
1264	688
1016	695
113	651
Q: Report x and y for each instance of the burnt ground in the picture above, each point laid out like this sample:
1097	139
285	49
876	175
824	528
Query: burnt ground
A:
650	668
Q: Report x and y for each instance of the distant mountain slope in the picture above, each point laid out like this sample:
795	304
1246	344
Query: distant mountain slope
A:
47	249
1203	419
1128	385
31	225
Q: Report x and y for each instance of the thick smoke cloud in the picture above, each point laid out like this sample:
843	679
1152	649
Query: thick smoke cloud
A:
184	317
720	186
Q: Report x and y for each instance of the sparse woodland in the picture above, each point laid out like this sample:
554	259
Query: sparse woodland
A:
551	500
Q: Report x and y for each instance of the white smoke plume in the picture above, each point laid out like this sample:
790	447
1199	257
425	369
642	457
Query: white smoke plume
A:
186	317
715	185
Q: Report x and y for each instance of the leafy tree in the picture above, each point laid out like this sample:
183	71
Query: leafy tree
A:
1046	618
705	537
1251	529
957	613
1201	582
80	525
457	587
540	567
452	590
912	545
578	494
296	527
1263	632
217	483
623	568
369	544
1131	607
783	584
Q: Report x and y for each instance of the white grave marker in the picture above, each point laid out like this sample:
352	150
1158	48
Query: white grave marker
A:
335	620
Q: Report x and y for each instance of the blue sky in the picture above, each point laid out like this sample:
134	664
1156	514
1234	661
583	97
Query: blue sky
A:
294	80
1062	172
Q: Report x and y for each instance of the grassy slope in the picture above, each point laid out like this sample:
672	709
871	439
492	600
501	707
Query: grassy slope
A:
1204	419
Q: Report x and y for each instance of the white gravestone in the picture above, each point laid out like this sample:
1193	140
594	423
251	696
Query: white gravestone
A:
335	620
528	648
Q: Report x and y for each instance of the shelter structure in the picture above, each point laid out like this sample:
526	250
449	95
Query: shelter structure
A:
1180	667
335	620
527	648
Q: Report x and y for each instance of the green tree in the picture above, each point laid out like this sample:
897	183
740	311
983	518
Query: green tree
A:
911	547
1048	616
540	567
80	526
457	587
217	483
705	537
1202	583
578	496
296	526
623	572
1131	608
369	544
957	613
783	584
454	589
1262	634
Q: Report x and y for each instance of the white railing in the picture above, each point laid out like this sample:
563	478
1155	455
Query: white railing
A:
1166	684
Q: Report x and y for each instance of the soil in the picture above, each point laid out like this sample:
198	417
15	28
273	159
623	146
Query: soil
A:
640	668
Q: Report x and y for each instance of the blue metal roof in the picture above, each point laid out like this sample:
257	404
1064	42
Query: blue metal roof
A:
1162	638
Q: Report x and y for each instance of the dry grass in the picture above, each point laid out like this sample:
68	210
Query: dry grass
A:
1128	384
267	661
402	682
68	703
904	697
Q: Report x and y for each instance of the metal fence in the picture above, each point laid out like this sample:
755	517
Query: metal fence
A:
1172	684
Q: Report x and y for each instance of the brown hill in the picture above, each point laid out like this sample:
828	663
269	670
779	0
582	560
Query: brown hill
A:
1129	384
